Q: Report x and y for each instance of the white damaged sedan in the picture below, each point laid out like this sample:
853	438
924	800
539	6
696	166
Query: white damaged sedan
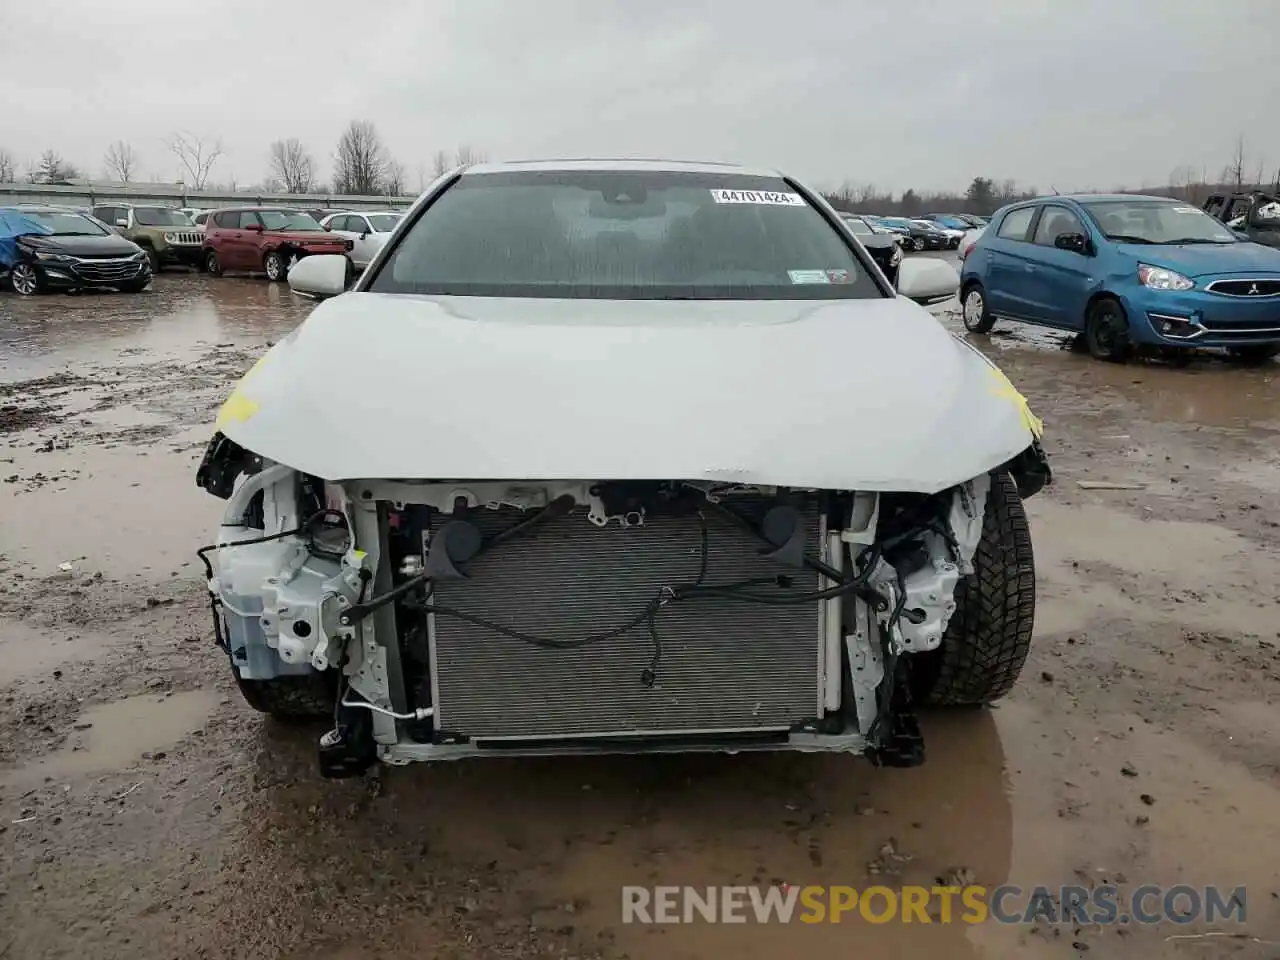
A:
621	456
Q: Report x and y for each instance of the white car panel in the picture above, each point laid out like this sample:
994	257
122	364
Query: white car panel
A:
798	393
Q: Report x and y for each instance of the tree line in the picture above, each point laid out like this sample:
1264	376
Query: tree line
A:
362	165
984	195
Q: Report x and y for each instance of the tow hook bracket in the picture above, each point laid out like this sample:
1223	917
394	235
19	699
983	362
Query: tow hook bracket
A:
903	746
901	743
348	750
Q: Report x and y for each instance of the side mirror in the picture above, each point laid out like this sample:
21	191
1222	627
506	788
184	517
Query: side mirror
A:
256	228
1075	242
122	223
927	280
319	276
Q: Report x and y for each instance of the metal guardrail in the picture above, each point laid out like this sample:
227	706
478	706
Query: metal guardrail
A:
176	195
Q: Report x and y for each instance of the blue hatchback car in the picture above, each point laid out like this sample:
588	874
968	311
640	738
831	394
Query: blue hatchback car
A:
1125	271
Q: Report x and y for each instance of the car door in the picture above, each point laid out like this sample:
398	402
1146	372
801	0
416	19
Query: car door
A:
1263	222
242	242
110	216
1058	286
1010	262
361	236
340	225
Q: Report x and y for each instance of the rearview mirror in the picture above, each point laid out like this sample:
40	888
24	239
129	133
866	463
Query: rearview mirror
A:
927	280
319	276
1075	242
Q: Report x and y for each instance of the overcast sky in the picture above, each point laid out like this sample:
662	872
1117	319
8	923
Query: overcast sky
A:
899	93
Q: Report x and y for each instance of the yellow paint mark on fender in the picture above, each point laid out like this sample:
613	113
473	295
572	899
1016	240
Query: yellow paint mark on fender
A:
1004	388
238	407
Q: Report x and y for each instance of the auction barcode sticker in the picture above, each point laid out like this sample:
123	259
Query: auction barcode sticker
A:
758	196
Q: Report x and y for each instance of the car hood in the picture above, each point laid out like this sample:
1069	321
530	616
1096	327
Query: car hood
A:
1196	260
877	241
321	236
853	394
111	245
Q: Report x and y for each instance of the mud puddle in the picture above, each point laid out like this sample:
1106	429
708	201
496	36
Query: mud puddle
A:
26	652
111	736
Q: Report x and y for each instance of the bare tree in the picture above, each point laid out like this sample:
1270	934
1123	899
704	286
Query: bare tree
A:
196	155
360	165
1234	170
393	179
292	165
51	168
8	169
122	161
440	163
465	155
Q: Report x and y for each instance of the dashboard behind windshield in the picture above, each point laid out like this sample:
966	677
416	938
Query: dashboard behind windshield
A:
67	224
1128	221
646	235
284	220
160	217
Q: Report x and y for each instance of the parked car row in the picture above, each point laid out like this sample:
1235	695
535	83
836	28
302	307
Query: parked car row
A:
931	231
1127	272
254	239
58	248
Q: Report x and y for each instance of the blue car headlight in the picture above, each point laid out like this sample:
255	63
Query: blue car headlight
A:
1162	278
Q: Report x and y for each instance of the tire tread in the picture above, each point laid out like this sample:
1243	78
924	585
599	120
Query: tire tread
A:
989	636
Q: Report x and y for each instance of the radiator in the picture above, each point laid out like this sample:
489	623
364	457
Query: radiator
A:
725	665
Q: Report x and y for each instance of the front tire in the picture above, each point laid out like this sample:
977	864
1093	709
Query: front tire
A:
917	244
275	266
211	264
26	280
153	258
1106	331
300	697
989	635
976	314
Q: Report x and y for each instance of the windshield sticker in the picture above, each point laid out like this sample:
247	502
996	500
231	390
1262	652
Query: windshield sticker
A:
808	276
840	276
758	196
1185	210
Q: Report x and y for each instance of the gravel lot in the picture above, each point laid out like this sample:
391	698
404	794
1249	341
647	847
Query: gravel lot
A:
146	812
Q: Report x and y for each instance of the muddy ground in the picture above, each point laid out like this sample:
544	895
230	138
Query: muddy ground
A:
146	812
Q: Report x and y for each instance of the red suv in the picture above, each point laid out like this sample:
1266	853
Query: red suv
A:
264	239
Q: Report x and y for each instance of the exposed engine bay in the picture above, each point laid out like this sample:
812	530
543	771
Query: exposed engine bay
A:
467	617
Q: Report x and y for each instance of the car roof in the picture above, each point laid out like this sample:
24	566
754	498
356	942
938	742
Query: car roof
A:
621	165
1110	198
42	208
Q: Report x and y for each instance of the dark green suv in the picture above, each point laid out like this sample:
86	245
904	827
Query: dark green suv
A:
166	234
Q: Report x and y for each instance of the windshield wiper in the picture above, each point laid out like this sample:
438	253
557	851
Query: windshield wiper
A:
1195	240
1125	238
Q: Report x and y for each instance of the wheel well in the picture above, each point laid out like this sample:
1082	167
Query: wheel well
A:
145	242
1098	298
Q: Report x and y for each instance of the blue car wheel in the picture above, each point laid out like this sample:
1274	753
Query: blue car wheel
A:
1106	331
